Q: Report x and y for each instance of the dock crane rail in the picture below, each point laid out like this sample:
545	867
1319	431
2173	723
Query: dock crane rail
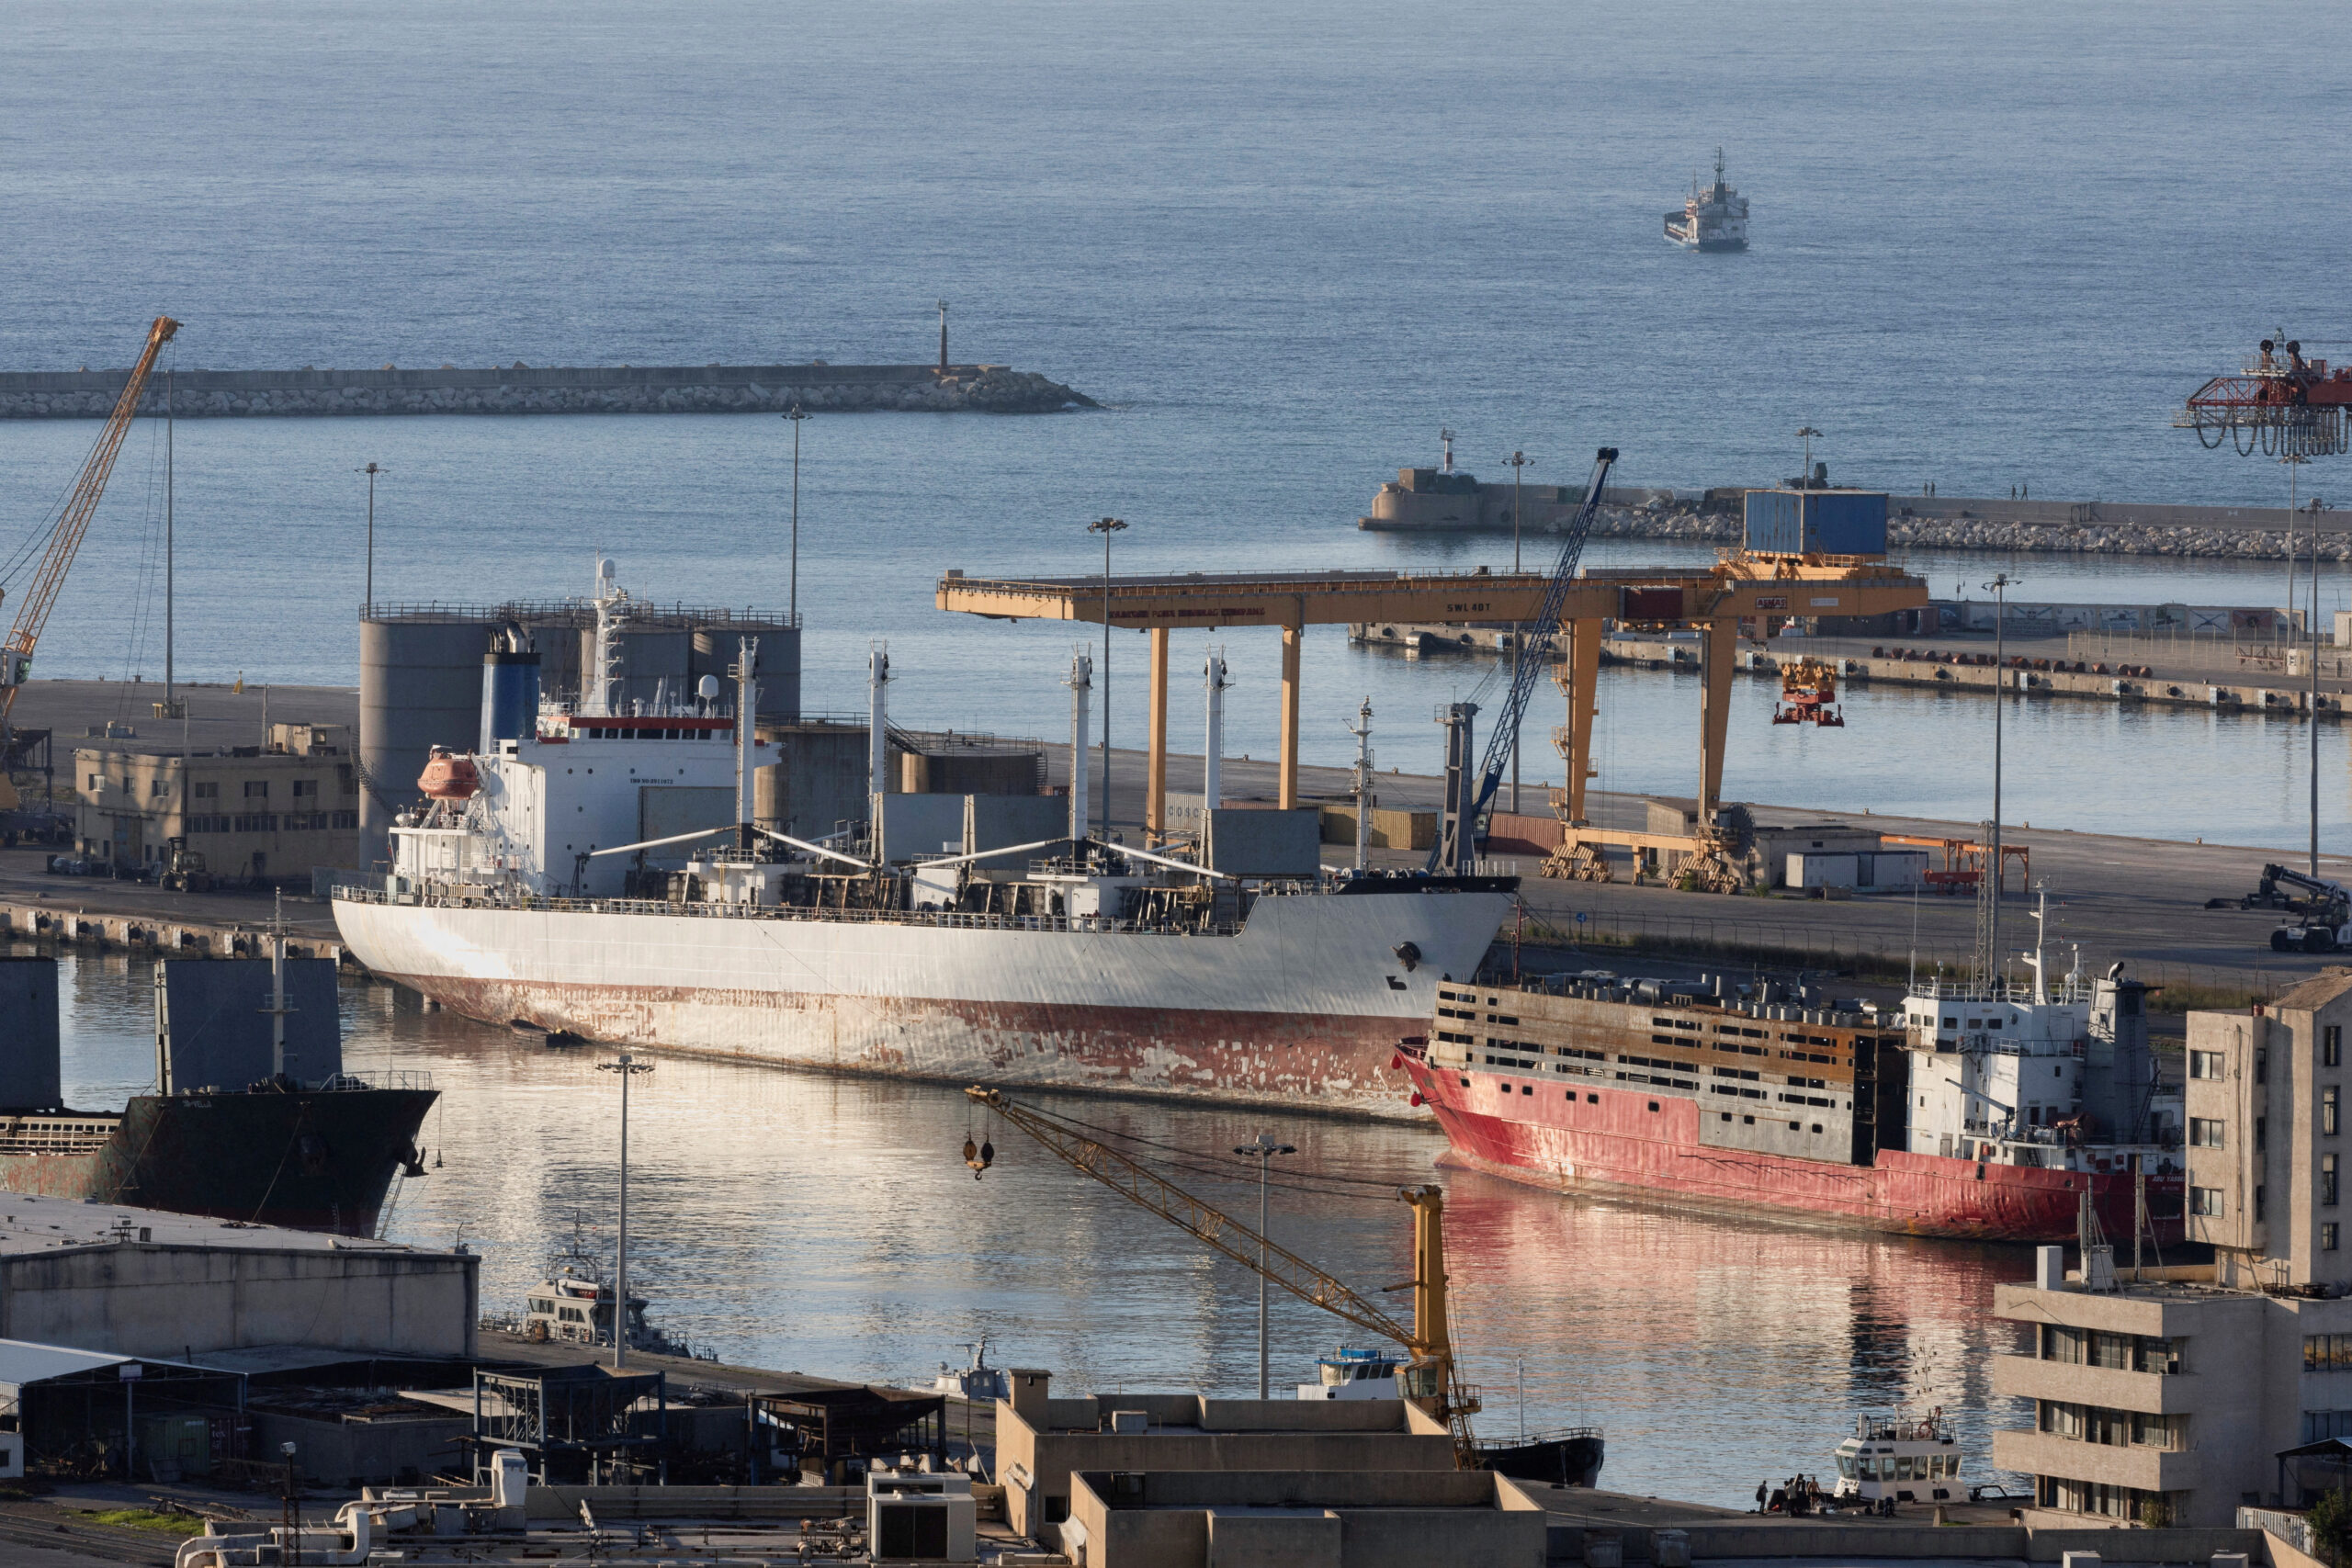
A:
1437	1388
1531	642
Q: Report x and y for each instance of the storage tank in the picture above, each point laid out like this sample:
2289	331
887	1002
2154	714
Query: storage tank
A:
716	646
419	686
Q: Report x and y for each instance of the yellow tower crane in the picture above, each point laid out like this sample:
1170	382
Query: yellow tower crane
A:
1431	1379
64	541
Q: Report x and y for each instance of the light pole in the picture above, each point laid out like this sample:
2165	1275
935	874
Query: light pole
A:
2000	585
1517	469
1806	436
1262	1148
2294	462
1107	526
796	415
371	470
628	1066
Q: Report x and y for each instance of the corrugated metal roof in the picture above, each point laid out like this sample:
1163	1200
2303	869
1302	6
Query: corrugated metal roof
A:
22	1362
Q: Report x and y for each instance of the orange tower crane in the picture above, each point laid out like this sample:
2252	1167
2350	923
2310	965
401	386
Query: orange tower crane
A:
65	541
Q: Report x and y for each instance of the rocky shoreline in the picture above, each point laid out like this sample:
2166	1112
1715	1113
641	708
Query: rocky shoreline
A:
1687	524
521	389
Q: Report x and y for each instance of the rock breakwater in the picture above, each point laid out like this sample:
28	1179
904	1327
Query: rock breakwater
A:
2243	543
521	389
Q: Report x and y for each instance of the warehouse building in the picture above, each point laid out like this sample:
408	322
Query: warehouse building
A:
252	813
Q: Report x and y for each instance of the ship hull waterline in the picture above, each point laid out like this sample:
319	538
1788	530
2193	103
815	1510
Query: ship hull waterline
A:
1633	1151
1301	1008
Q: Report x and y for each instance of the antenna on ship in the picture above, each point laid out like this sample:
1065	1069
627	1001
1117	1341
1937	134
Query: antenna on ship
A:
2040	930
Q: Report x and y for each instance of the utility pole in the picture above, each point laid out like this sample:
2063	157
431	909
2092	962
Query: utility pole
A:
371	470
1262	1148
1988	936
1804	479
796	415
1517	469
1107	526
1361	730
170	704
628	1066
2294	462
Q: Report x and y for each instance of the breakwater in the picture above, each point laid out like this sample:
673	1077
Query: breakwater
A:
521	388
2243	533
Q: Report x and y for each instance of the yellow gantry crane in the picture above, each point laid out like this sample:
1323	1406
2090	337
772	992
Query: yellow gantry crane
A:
1431	1379
64	541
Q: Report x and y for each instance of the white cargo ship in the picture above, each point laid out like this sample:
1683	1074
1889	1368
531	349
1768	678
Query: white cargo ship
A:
524	890
1712	218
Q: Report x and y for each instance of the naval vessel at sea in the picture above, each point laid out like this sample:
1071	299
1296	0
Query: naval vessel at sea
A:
524	888
1712	218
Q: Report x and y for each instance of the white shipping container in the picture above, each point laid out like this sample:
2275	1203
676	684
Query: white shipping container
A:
1823	870
1892	870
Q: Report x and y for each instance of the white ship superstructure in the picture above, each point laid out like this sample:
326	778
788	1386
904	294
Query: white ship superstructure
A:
1715	217
532	887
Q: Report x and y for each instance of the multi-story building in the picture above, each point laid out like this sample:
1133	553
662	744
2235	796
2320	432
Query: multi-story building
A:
252	812
2167	1395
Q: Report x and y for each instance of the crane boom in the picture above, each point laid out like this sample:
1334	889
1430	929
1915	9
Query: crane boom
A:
1437	1387
66	538
1532	644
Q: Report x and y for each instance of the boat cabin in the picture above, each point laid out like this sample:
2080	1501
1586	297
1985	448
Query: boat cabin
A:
1349	1373
1908	1460
569	1310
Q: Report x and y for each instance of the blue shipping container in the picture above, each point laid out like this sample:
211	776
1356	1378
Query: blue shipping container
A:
1826	521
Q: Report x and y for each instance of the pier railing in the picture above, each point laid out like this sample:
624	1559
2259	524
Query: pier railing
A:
2216	655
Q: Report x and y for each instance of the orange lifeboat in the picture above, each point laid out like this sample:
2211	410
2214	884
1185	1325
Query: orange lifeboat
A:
449	777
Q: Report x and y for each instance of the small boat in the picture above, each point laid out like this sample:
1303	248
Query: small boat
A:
575	1306
525	1030
1890	1459
1570	1456
977	1381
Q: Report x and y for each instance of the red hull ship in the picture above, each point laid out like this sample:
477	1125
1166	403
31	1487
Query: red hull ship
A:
1983	1113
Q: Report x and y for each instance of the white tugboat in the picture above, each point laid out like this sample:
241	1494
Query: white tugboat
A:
1713	218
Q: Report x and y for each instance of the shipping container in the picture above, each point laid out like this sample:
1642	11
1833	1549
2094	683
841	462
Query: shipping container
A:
1818	870
1826	521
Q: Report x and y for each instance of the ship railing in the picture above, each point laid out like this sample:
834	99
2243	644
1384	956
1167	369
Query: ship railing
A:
952	920
382	1077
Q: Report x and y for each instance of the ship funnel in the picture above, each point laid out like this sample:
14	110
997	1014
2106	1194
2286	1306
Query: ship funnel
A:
510	689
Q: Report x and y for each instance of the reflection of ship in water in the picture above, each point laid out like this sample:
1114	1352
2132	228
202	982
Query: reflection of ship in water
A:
255	1118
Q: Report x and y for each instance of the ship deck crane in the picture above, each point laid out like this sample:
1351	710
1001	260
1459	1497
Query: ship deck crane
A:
1432	1380
65	541
1531	650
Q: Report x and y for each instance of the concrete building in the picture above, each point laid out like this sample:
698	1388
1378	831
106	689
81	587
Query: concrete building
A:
140	1282
1305	1518
2166	1394
1043	1441
252	812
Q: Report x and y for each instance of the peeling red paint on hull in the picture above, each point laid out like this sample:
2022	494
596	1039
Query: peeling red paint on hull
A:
1621	1145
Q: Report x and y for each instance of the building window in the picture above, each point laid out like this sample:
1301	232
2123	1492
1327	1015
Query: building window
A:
2327	1182
2204	1064
156	788
2204	1133
306	788
2331	1045
2259	1207
2205	1200
2262	1064
256	789
2153	1354
2320	1424
2327	1237
97	781
208	791
2331	1110
344	779
2328	1352
2261	1133
2061	1344
2111	1351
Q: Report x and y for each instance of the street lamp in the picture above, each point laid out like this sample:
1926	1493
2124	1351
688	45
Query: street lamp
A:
1262	1148
1991	939
371	470
2295	461
1806	436
1107	526
797	415
628	1066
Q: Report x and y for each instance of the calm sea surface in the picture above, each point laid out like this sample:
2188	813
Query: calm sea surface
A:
828	1225
1994	243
